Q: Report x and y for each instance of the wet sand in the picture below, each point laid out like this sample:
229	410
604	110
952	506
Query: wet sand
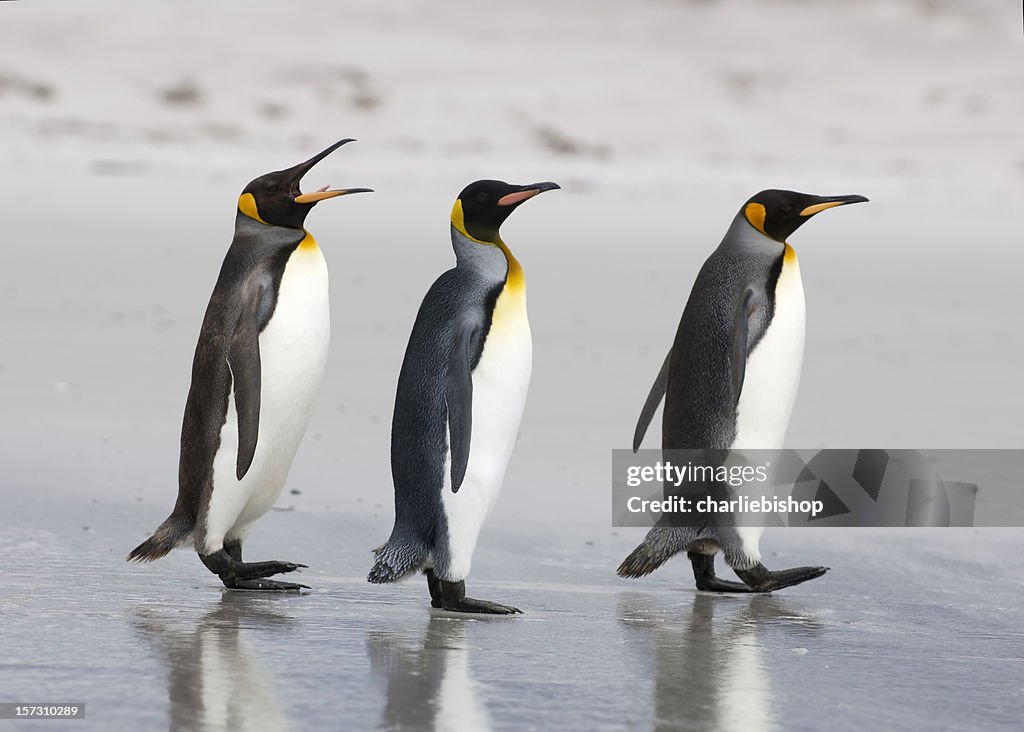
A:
908	627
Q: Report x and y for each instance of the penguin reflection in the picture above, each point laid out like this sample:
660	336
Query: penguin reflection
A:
711	676
214	682
429	685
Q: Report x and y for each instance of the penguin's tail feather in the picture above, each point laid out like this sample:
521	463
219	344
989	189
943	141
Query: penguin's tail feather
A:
396	559
172	533
661	543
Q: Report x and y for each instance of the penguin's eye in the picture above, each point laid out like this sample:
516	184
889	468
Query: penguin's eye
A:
481	197
273	189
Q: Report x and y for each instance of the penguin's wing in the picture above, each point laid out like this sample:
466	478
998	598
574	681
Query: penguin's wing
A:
749	303
653	400
458	399
244	362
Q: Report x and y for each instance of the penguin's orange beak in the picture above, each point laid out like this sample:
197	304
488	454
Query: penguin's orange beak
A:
322	194
831	202
526	192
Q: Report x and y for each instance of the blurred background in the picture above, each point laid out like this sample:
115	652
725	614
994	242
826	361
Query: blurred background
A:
126	133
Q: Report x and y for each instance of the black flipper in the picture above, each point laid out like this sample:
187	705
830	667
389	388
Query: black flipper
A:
244	361
459	401
653	400
748	305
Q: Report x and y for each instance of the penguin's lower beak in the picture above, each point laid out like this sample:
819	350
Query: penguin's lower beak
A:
296	172
526	192
325	193
827	202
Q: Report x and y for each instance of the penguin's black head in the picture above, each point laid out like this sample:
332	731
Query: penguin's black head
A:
275	198
777	214
483	206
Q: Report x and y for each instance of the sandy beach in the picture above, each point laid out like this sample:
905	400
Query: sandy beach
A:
124	146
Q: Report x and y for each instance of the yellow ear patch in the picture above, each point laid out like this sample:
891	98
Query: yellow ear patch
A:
818	207
459	222
755	214
459	218
247	205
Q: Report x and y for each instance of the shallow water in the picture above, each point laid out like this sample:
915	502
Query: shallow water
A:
908	630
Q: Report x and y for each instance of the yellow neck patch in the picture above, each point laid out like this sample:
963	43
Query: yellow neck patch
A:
789	255
515	280
247	205
755	214
308	243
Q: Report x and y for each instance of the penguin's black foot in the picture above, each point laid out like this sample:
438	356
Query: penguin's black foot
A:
452	597
234	549
469	605
704	573
714	584
256	570
760	579
263	584
231	570
434	585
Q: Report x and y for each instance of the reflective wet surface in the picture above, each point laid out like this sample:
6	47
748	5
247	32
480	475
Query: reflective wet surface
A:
916	629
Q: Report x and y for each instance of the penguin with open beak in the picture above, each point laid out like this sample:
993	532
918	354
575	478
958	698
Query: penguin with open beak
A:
258	366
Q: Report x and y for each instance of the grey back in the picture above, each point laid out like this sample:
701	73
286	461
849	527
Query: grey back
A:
464	296
258	252
700	408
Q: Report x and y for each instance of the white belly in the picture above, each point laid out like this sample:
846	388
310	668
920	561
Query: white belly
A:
293	357
773	368
500	383
771	380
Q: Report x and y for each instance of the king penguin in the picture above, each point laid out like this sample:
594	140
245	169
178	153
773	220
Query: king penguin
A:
731	379
461	393
258	365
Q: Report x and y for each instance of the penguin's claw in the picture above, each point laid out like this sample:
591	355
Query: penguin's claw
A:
263	585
